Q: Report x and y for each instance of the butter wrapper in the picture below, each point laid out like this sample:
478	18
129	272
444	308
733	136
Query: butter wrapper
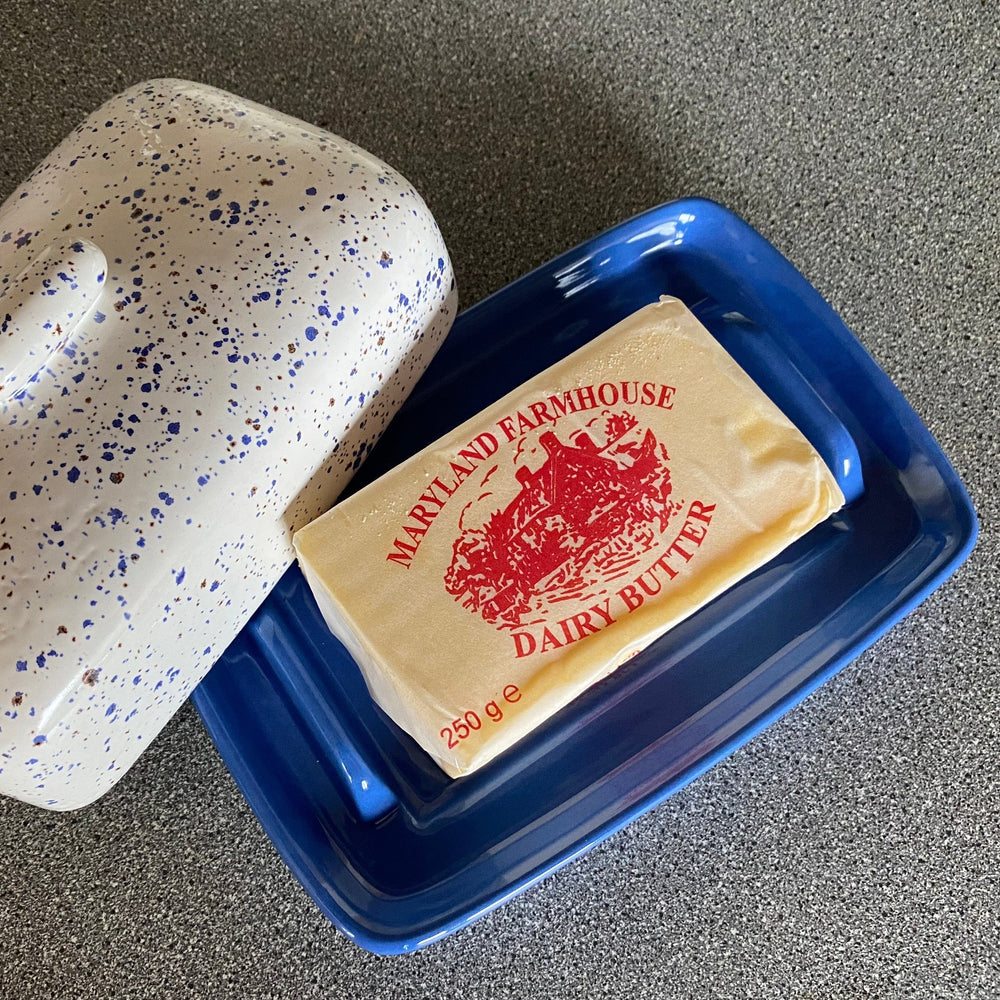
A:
489	580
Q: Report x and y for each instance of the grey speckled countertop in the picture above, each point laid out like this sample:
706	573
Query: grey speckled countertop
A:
850	850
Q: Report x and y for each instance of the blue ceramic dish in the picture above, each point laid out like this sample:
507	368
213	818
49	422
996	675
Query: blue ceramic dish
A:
396	854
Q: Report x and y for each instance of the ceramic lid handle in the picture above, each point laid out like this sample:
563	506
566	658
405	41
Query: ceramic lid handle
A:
41	310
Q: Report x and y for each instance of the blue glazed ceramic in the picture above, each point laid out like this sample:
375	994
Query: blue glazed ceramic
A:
396	854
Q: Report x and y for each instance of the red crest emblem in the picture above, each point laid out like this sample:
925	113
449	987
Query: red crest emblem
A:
578	521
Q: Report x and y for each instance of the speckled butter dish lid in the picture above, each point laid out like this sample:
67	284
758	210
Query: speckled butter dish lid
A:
208	313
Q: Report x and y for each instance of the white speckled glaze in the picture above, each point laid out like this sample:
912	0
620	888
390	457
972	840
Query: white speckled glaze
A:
208	313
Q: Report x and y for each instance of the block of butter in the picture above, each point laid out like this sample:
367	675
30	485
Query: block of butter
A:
490	579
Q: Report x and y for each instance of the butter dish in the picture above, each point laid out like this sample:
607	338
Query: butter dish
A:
397	854
208	313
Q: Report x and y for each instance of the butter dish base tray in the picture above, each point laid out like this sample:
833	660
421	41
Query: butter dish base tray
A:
398	855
